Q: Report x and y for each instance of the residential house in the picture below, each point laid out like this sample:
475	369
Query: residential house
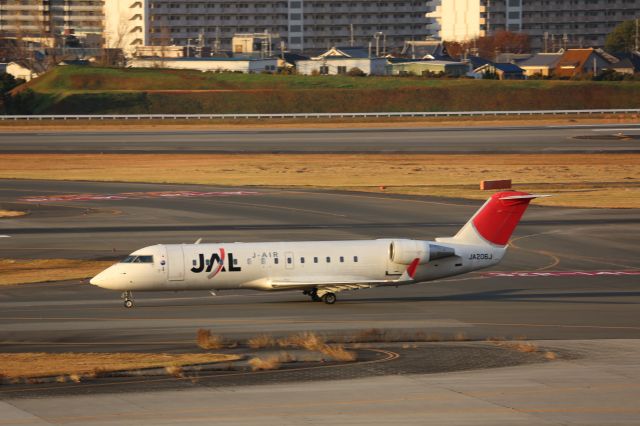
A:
502	71
23	70
580	61
401	66
623	66
474	63
341	60
540	64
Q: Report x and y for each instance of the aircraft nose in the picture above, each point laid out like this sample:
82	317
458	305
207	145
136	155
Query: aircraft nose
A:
98	279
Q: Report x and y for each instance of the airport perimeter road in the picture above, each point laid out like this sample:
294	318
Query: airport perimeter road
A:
569	279
533	139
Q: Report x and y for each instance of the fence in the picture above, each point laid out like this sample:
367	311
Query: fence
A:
313	115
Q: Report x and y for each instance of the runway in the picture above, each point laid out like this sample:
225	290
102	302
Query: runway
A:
590	293
516	139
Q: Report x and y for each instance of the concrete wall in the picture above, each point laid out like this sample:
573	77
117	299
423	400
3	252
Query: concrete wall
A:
245	66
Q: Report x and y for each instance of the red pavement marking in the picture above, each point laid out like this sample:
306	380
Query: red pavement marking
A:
133	195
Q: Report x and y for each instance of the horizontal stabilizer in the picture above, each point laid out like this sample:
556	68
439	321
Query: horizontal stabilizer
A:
525	197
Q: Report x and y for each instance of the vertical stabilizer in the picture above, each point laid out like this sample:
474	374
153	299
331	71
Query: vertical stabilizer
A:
495	221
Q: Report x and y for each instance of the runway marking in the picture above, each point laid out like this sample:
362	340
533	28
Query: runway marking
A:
133	196
521	274
390	356
555	259
5	236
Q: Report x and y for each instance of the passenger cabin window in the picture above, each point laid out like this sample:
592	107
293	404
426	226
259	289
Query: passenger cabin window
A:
138	259
355	259
275	260
315	260
328	259
341	259
302	260
289	260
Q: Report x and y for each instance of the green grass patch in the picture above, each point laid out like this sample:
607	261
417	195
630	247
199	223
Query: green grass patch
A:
73	90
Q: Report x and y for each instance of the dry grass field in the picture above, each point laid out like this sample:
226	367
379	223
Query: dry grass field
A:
11	213
580	180
38	364
19	271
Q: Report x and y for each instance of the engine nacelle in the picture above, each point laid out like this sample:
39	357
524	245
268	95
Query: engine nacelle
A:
405	251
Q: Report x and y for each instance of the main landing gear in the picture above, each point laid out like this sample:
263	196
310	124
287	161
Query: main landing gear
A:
128	299
328	298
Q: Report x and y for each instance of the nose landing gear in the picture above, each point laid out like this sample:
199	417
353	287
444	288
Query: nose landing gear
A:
128	299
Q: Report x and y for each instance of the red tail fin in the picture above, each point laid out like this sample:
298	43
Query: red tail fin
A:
497	220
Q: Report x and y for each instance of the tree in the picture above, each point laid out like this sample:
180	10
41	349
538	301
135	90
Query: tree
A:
489	47
622	39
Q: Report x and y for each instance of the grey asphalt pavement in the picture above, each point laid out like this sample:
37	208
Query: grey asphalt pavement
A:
581	282
524	139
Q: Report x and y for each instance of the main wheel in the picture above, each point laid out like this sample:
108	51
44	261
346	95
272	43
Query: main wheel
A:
128	303
329	298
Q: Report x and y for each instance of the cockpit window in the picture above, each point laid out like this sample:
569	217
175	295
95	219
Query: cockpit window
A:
138	259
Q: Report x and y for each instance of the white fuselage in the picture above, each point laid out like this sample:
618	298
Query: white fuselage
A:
286	265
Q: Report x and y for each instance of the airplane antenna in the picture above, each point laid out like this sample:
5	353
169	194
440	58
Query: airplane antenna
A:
198	241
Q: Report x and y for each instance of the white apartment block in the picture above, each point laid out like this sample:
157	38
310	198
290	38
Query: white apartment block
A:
300	24
551	24
42	19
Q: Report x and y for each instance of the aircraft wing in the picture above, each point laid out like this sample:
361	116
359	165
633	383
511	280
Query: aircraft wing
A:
342	282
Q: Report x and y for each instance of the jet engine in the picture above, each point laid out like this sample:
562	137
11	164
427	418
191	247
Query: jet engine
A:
405	251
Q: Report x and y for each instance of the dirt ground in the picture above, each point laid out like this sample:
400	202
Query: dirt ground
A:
38	364
20	271
579	180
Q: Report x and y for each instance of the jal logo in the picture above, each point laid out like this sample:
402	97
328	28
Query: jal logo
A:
217	259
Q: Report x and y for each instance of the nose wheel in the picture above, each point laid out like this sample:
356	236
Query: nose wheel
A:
128	299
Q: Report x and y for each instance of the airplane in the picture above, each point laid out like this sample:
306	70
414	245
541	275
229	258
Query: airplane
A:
320	268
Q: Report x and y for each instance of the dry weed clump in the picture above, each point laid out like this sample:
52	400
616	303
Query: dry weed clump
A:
460	336
261	341
306	340
175	371
338	353
206	340
550	355
525	347
269	363
75	378
61	379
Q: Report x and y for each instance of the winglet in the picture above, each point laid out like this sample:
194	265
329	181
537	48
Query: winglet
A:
411	270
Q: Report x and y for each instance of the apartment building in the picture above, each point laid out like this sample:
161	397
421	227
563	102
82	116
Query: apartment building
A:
47	20
551	24
301	24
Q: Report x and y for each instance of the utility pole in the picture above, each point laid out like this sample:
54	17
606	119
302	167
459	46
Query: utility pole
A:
636	44
351	29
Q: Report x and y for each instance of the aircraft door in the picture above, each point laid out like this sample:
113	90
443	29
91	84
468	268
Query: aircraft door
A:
289	260
175	262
